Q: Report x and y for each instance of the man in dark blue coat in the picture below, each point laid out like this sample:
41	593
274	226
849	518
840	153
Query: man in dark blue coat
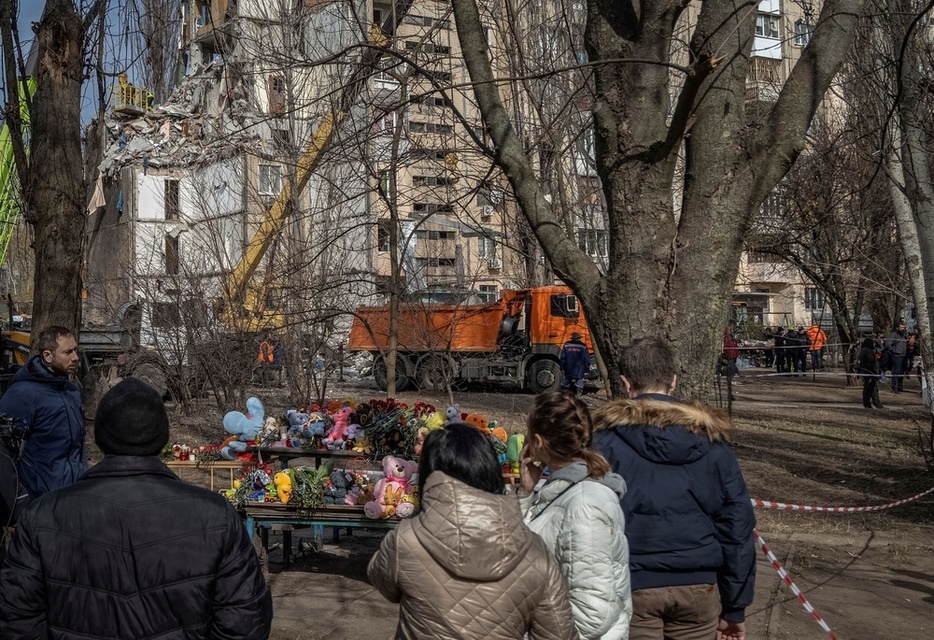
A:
574	363
689	520
130	551
44	395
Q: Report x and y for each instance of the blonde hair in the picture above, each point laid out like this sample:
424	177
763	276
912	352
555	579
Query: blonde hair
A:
563	421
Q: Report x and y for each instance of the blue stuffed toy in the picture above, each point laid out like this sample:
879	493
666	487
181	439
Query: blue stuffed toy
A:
305	425
244	427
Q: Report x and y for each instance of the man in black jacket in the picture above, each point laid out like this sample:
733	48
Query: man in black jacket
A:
689	519
129	551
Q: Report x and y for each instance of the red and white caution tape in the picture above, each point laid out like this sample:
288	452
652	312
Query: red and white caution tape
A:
781	506
791	585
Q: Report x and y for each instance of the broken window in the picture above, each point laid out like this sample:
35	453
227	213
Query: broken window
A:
171	255
486	248
172	211
165	315
276	91
383	228
270	179
593	242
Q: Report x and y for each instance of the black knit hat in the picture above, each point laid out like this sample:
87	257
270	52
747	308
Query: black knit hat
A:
131	420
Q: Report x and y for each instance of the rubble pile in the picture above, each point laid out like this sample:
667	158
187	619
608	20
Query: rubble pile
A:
206	119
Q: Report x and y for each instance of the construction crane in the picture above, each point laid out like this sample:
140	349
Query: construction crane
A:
243	304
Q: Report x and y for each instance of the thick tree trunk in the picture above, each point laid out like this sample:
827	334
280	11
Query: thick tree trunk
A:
667	276
55	192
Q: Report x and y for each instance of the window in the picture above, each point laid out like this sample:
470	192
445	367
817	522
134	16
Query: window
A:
427	47
270	179
386	184
766	25
425	234
802	33
486	248
593	242
428	208
430	127
813	299
171	255
431	181
276	95
165	315
383	229
171	200
564	306
488	293
435	262
386	125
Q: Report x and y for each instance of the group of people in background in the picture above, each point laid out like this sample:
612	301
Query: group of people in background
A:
793	347
891	358
634	523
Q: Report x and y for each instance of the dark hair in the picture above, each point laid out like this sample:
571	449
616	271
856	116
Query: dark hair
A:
462	452
48	339
648	363
564	423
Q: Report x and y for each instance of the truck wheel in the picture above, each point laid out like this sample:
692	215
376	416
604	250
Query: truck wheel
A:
433	372
152	375
544	375
380	374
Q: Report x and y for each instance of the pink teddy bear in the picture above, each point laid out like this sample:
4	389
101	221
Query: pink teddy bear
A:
398	475
340	425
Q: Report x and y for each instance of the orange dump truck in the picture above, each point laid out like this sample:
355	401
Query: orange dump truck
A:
515	340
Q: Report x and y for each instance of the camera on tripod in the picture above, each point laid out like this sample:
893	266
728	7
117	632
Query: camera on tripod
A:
13	432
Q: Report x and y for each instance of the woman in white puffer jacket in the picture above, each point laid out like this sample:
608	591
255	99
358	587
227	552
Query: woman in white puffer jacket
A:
577	512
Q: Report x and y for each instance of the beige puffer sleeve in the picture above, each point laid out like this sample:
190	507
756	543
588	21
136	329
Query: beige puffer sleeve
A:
552	618
383	568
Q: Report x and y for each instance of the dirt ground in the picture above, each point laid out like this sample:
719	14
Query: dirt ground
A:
800	440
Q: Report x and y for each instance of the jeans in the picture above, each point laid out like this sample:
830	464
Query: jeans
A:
817	359
898	372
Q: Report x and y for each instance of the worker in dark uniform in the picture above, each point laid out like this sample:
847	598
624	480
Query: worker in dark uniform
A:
574	363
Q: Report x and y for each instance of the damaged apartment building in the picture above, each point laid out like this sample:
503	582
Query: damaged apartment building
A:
201	198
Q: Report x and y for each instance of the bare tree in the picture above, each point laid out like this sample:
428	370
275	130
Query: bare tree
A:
668	274
51	175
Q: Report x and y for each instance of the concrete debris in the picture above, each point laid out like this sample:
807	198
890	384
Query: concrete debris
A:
206	119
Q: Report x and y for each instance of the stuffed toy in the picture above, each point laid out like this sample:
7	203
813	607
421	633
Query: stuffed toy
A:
452	415
335	491
243	428
409	503
478	422
283	482
340	425
398	474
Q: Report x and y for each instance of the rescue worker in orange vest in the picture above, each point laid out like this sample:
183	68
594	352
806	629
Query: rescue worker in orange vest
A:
264	357
817	339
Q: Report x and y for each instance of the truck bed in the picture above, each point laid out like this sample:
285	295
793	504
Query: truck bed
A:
425	327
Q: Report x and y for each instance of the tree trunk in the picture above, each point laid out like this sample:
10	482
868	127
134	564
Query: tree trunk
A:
55	192
667	276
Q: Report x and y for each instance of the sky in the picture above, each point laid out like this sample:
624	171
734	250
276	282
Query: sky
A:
30	11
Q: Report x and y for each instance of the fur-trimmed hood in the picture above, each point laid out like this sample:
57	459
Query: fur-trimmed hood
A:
664	430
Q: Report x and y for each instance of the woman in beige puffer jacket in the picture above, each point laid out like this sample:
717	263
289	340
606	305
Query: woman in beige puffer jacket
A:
465	566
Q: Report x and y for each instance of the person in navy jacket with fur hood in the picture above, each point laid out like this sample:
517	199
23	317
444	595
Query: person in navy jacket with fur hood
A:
689	520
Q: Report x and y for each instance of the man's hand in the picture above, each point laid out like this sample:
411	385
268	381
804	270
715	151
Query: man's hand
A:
731	630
